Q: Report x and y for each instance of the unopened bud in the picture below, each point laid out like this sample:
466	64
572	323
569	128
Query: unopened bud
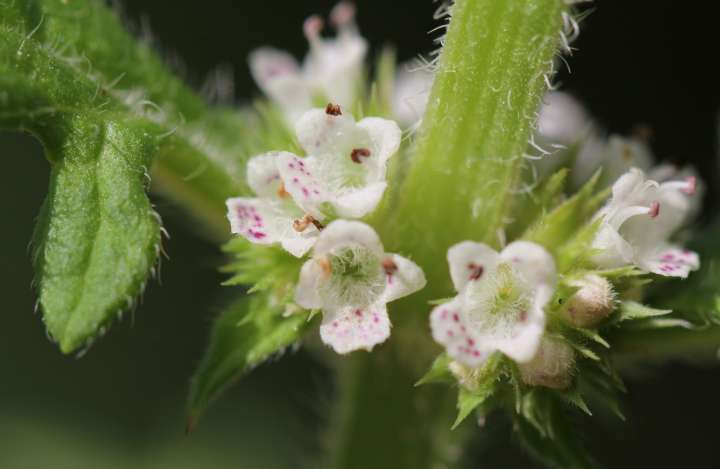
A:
591	303
552	366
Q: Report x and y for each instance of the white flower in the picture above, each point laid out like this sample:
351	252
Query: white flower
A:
271	217
331	71
500	302
615	155
562	119
345	172
351	278
344	176
412	91
638	222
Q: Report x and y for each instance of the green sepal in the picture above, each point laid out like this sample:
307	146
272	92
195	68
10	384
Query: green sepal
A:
558	226
632	310
537	202
246	334
439	371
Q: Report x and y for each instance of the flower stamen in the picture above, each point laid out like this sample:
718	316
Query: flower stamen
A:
333	109
654	209
312	27
301	224
281	192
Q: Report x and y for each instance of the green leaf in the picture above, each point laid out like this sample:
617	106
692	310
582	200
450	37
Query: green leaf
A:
72	77
469	401
248	333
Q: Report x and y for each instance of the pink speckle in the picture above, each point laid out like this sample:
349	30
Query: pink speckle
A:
523	316
476	271
296	180
470	342
305	191
654	209
450	334
358	313
455	317
443	314
476	353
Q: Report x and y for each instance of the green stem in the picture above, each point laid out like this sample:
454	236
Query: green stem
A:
475	131
487	89
382	420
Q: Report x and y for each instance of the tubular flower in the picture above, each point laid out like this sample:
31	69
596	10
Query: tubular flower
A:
351	279
500	301
637	223
331	71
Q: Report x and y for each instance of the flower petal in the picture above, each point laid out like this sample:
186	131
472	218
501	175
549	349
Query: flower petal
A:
349	329
356	203
671	261
343	233
404	277
277	73
470	261
299	177
562	118
334	66
518	339
267	222
263	176
535	264
449	329
322	134
412	91
306	293
385	136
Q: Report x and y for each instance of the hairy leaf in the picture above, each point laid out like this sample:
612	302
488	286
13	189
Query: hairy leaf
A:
71	76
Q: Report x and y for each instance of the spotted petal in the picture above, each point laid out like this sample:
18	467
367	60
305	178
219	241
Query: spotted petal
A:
671	261
300	181
268	222
470	261
519	337
349	329
449	329
404	277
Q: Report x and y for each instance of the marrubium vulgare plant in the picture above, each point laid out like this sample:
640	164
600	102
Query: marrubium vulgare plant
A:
454	236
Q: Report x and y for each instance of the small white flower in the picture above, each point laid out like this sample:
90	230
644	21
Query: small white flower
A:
412	92
272	216
638	222
351	278
562	119
345	172
500	301
331	71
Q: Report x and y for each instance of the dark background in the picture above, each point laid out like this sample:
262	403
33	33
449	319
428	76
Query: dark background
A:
120	406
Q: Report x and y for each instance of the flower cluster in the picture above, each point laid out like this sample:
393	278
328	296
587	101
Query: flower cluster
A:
343	176
332	70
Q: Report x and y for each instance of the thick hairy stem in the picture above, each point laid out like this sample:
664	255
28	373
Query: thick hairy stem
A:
491	77
383	421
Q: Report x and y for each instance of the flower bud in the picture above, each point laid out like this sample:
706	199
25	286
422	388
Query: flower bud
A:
552	366
591	303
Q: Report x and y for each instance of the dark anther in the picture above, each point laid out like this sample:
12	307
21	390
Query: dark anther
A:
359	152
333	109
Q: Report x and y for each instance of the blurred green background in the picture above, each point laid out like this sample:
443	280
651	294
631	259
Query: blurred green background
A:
121	405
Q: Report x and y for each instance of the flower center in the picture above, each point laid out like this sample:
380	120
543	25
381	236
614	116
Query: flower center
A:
356	277
502	299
